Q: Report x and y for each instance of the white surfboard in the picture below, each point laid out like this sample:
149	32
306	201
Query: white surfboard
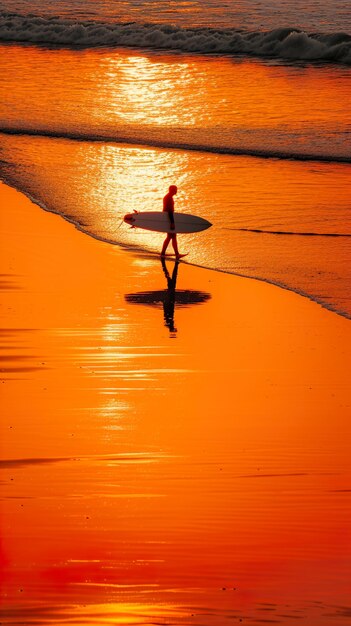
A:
158	221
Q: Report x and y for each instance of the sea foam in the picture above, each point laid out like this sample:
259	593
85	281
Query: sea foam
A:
286	43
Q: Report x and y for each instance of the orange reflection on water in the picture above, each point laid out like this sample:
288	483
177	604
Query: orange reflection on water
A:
147	93
43	88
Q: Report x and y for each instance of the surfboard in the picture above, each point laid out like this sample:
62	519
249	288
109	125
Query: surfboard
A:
158	221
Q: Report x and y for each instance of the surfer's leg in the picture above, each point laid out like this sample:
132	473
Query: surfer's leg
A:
165	244
175	244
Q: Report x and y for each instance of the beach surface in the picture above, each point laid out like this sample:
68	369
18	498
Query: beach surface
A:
175	440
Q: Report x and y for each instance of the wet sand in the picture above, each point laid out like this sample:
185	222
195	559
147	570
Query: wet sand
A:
195	473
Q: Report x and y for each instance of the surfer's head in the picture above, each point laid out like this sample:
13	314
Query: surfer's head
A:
173	190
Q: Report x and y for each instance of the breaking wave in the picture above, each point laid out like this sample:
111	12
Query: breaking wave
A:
285	43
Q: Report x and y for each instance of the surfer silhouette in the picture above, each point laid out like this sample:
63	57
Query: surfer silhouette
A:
168	206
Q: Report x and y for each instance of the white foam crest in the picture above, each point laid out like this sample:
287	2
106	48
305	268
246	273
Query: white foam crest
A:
287	43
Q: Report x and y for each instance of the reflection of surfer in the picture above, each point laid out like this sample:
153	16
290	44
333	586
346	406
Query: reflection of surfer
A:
169	298
168	206
170	295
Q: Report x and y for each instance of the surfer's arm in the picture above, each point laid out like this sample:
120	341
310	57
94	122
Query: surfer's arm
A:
168	206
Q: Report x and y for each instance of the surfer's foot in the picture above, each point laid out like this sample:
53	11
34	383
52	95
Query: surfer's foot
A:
180	256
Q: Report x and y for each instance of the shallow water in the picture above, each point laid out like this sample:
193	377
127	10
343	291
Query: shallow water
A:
94	185
286	221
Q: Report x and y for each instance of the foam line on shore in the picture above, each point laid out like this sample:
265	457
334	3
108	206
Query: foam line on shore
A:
259	231
260	153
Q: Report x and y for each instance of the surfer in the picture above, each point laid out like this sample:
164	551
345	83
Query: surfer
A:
168	206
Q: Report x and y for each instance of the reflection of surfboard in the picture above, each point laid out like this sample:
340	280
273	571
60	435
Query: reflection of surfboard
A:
181	297
158	221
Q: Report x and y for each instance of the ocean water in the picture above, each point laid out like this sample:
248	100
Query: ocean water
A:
251	14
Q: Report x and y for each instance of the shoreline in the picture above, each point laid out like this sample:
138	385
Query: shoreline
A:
139	251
